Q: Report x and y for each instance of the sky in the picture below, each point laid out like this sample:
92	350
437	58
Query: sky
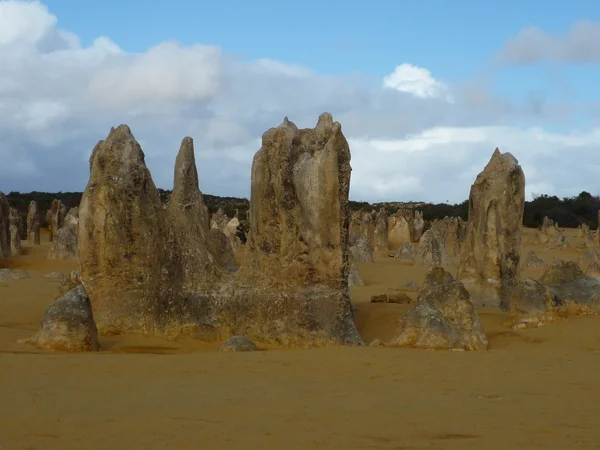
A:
424	91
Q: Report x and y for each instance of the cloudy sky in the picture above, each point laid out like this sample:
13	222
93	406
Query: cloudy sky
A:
424	90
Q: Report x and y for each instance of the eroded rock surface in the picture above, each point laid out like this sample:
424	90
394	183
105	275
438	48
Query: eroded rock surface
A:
579	292
68	324
33	224
443	318
15	232
432	251
491	254
4	227
293	286
533	305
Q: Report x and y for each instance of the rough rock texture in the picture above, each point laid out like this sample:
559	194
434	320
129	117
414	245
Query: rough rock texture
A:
593	270
490	258
33	224
219	220
15	232
57	216
549	234
189	219
400	228
588	256
128	258
71	219
406	254
419	225
231	230
533	305
432	251
64	245
67	283
238	344
362	250
68	324
293	286
380	232
13	274
443	318
354	278
4	227
393	298
579	292
221	249
534	262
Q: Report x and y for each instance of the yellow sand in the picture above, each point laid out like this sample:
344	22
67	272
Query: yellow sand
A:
532	389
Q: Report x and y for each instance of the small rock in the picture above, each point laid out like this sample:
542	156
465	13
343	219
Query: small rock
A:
68	324
376	343
238	344
54	274
10	274
383	298
401	298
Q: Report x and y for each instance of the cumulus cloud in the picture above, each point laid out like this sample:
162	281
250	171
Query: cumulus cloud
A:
412	137
581	44
416	81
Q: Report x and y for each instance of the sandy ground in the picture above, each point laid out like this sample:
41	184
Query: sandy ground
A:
532	389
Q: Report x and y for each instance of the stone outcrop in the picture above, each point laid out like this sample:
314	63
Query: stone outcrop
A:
406	254
534	262
4	227
419	225
56	217
128	256
443	318
219	220
71	219
432	251
64	245
189	219
380	231
354	278
33	224
238	344
579	292
400	228
362	250
15	231
13	274
491	254
68	324
293	286
222	250
533	305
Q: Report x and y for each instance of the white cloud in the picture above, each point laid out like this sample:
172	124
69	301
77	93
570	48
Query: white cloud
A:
416	81
58	98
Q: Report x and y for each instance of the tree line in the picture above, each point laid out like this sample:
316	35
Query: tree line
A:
569	212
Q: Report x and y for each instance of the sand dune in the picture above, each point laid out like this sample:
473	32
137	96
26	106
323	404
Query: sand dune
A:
532	389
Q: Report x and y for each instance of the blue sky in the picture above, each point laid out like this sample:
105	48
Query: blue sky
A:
424	90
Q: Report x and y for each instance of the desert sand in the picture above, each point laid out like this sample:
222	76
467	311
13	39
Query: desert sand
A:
534	388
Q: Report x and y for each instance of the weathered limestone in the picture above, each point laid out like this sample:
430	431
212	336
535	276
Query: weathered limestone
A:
71	219
221	249
219	219
64	245
238	344
419	224
293	286
57	216
4	227
533	305
490	258
354	278
189	220
443	318
579	292
33	224
406	254
68	325
128	257
380	231
534	262
362	250
400	228
15	231
432	251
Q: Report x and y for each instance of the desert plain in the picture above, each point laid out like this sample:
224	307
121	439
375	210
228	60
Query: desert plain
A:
533	388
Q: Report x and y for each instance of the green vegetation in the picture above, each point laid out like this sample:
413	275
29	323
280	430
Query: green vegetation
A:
569	212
